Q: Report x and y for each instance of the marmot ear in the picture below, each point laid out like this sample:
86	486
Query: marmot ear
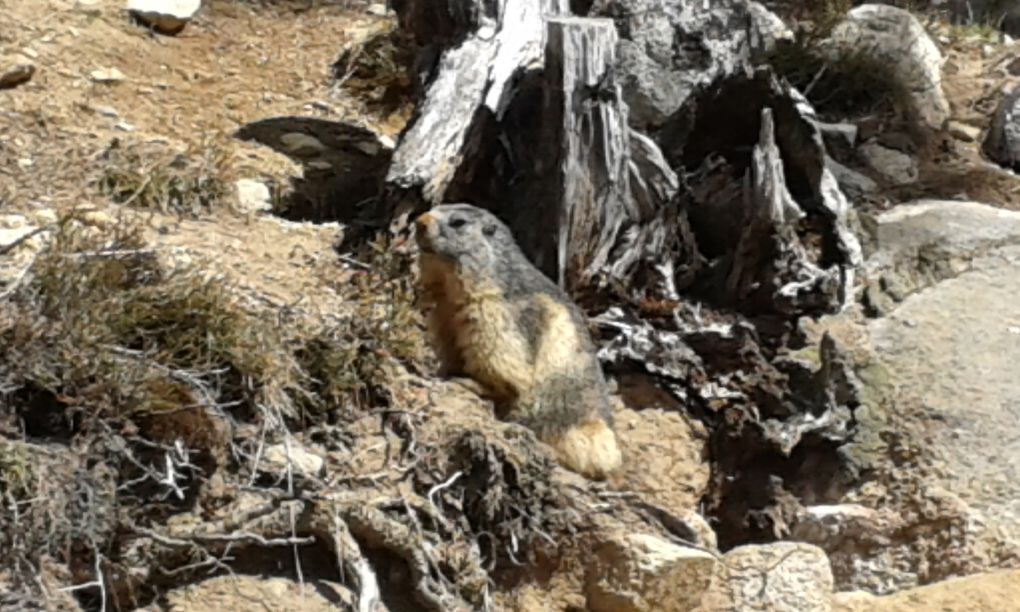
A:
489	229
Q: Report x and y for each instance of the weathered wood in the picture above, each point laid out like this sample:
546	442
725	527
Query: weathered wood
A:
529	123
770	263
524	115
594	145
473	77
596	200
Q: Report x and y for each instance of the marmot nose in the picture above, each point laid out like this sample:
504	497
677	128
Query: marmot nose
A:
425	226
424	222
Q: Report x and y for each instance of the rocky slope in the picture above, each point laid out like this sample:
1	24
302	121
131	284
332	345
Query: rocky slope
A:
205	404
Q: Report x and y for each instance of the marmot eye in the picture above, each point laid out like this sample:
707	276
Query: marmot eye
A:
458	222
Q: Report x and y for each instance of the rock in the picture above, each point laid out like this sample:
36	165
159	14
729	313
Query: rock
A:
253	196
778	577
686	47
644	573
921	243
165	16
107	75
933	374
1002	144
106	111
955	355
945	274
964	132
828	526
854	184
302	145
652	93
894	166
980	593
302	460
15	70
240	592
766	30
668	458
896	39
378	9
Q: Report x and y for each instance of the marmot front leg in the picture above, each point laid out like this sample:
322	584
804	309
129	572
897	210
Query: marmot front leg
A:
439	324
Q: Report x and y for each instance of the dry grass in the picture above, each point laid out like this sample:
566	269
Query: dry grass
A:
104	341
852	84
155	178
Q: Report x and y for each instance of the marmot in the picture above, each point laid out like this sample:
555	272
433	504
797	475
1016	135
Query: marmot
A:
494	317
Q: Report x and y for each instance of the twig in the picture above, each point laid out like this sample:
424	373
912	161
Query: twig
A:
138	192
244	536
443	485
290	508
191	539
10	246
99	583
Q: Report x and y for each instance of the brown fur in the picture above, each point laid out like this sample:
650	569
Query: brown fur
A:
547	383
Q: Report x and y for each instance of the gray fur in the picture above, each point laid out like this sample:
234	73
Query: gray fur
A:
484	245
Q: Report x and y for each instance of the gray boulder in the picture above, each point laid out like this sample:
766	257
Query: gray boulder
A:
895	39
687	46
1002	145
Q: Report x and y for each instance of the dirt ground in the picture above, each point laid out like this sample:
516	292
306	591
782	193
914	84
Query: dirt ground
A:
237	62
996	592
242	61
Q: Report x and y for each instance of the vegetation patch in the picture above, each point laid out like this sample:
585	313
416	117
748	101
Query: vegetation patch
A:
153	177
127	381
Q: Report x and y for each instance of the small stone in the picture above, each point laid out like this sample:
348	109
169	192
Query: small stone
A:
15	70
164	16
639	572
852	182
896	167
124	126
767	29
302	461
378	9
302	145
44	216
13	222
253	196
106	111
779	576
107	75
964	132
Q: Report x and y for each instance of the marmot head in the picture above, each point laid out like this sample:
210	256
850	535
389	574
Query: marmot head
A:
467	235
